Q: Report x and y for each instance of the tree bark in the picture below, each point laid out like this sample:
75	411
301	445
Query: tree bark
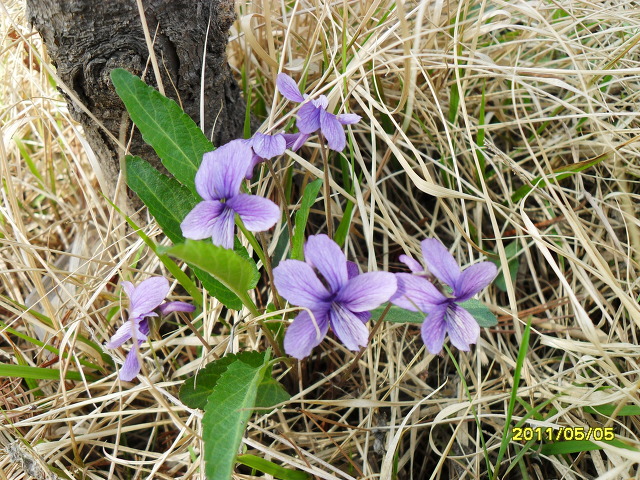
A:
86	39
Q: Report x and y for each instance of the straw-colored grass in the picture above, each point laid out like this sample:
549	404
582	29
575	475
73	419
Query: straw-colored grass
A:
463	103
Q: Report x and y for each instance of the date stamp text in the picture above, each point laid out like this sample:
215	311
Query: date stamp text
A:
526	434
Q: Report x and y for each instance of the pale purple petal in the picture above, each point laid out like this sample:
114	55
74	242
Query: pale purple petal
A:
462	327
413	265
168	307
223	229
222	171
199	222
128	288
122	335
298	283
305	333
348	327
255	160
257	213
440	262
332	131
308	118
473	279
416	294
321	102
143	329
352	269
131	366
288	88
433	330
348	118
147	296
269	146
364	317
295	140
327	257
367	291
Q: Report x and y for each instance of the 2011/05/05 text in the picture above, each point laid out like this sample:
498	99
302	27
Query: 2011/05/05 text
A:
525	434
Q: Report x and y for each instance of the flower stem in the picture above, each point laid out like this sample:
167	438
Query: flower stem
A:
327	186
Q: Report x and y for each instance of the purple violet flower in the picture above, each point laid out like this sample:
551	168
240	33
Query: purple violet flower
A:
268	146
313	115
444	314
342	299
218	182
144	299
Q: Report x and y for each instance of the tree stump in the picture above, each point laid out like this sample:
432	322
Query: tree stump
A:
87	39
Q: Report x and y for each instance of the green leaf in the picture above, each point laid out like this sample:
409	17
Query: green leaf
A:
38	373
236	273
169	202
476	308
228	410
609	409
174	136
398	315
270	393
195	390
577	446
271	468
302	215
480	312
511	251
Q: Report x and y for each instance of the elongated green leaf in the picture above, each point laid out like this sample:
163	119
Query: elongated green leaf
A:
609	409
37	373
270	393
271	468
196	390
174	136
480	312
228	410
169	202
236	273
302	215
511	251
577	446
476	308
398	315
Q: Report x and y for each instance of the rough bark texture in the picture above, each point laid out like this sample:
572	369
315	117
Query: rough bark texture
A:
86	39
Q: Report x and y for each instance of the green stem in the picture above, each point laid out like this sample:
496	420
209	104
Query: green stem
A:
252	240
173	268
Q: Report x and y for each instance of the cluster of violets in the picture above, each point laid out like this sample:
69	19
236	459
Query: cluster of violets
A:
330	290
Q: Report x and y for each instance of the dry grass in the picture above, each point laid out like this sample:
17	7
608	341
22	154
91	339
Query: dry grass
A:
544	85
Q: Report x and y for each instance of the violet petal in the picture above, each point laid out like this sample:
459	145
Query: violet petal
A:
147	296
367	291
434	329
352	269
288	88
416	294
463	329
128	288
322	102
364	317
269	146
440	262
257	213
332	131
308	118
223	229
255	160
297	282
199	222
176	306
122	335
412	264
305	333
325	255
295	140
348	118
473	279
348	327
131	366
222	171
